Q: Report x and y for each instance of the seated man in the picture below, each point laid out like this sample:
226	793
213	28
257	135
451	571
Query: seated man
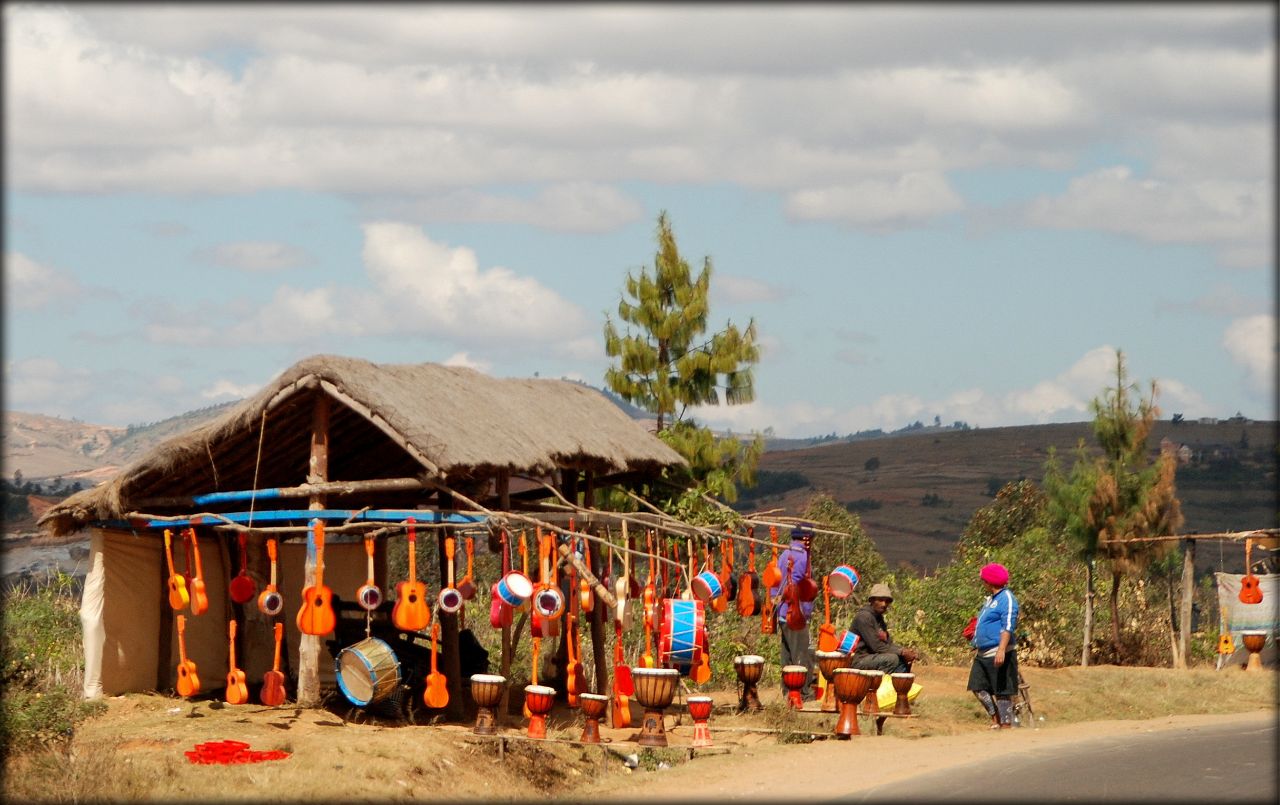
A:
876	651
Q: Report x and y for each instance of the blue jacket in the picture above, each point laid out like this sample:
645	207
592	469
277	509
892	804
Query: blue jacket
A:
796	552
998	614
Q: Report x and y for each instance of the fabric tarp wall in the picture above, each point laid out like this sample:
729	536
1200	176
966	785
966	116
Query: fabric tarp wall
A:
125	590
1241	617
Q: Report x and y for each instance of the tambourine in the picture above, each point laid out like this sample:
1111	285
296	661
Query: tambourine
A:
548	602
270	602
449	601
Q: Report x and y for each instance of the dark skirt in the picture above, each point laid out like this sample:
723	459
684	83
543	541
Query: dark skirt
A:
1002	681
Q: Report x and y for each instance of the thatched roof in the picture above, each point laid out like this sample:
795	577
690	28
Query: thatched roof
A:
387	421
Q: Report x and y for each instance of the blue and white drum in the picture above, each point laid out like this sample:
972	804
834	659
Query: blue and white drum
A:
515	588
367	672
848	642
684	633
706	586
843	580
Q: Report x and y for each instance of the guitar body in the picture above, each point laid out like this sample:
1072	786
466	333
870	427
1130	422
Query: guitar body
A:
316	616
272	693
237	690
199	596
188	679
1250	591
436	694
411	613
623	687
178	595
749	594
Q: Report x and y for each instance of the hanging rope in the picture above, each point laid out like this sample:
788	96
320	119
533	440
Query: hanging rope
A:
257	464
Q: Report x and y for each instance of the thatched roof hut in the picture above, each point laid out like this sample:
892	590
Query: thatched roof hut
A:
453	424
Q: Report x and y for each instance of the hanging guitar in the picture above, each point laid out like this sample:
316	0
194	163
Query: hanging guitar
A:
721	601
272	693
369	596
771	577
826	632
1250	590
449	599
242	588
199	598
411	613
623	687
316	616
468	585
436	694
178	595
749	585
188	679
586	601
790	594
237	690
806	587
270	602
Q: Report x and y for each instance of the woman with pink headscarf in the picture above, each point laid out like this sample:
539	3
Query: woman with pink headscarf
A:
995	668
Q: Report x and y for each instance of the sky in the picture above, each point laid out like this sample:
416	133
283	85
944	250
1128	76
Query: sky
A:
950	211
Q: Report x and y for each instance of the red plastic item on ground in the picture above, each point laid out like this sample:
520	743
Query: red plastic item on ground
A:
229	752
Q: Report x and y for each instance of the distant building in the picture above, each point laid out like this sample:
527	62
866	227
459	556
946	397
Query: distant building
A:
1184	454
1208	420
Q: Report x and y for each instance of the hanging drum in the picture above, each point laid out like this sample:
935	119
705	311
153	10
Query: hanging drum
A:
683	634
368	671
548	602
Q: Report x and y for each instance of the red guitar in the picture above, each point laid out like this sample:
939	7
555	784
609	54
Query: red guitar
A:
411	613
316	617
242	588
237	690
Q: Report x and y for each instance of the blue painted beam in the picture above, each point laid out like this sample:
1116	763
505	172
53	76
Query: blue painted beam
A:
302	517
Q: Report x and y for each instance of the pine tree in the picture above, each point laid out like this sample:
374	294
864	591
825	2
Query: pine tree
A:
668	364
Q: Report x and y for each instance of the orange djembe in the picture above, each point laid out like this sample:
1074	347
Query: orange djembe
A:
851	686
871	704
700	709
828	662
539	699
793	679
902	686
655	688
593	706
1253	641
486	690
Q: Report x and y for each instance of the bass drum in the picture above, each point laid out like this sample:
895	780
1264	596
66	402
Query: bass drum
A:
368	671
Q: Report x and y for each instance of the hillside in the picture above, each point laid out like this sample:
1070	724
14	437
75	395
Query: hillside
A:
916	492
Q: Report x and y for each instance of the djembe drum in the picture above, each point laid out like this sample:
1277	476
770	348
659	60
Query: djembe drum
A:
828	662
902	686
793	679
871	704
655	688
538	698
851	686
749	667
486	690
1253	641
700	709
593	706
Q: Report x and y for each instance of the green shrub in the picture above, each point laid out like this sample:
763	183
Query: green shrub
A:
43	666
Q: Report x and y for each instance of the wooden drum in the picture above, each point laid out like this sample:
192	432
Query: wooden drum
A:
593	706
655	688
749	667
486	690
793	679
1253	641
700	709
871	704
851	686
368	671
828	662
539	699
902	686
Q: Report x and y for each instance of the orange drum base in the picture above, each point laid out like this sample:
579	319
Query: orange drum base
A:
652	733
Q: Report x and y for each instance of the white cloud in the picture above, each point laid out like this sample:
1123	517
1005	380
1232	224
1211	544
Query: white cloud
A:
1233	215
731	289
876	204
562	207
255	255
463	359
29	285
1251	343
224	389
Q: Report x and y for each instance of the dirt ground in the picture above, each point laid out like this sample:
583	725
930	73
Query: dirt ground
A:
135	750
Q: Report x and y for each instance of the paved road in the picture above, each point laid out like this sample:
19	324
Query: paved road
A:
1211	764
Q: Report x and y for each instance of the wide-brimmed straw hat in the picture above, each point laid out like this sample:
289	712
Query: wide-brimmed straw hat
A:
880	590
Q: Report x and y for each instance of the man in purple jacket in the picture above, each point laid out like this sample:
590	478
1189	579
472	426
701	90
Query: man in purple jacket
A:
795	642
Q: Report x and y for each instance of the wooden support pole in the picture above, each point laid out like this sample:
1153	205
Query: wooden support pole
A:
504	500
452	669
317	473
1188	596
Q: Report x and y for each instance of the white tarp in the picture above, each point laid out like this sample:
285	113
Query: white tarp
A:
1241	617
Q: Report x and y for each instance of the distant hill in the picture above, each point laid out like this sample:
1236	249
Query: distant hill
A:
915	492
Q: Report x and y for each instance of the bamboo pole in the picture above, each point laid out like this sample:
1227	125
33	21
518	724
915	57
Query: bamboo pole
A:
1188	594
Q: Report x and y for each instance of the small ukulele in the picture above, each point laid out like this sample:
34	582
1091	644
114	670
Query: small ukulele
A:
242	587
188	680
316	617
436	694
623	687
237	690
272	693
270	602
771	576
199	598
748	600
411	613
178	595
586	601
467	587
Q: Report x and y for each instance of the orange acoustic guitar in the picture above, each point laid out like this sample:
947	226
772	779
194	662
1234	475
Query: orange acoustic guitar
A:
1250	591
826	632
178	595
748	594
623	686
188	680
199	598
586	601
771	576
411	613
316	617
237	690
272	693
573	668
436	694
